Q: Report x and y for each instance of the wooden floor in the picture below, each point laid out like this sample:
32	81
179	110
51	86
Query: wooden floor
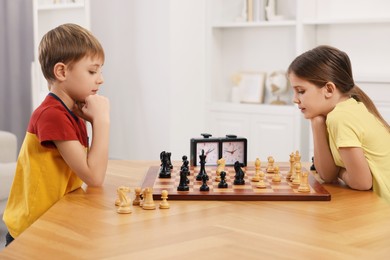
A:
85	225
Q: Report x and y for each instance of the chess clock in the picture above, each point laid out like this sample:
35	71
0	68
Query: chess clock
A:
210	146
234	149
231	147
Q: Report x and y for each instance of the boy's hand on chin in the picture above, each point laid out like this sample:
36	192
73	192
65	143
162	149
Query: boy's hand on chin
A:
96	107
78	110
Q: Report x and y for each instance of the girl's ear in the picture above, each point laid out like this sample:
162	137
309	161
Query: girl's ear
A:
60	71
329	89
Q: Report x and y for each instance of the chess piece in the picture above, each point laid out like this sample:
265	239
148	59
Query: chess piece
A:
125	201
312	167
185	166
297	178
143	193
148	200
164	203
169	162
240	175
256	176
222	183
204	186
183	185
202	161
276	177
304	186
220	168
165	169
137	198
261	184
270	166
290	171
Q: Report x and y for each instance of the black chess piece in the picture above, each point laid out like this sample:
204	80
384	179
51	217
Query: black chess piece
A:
312	167
202	171
183	185
185	164
204	186
239	177
165	171
170	166
222	183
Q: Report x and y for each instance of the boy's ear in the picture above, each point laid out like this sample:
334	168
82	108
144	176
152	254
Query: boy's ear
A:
329	89
60	71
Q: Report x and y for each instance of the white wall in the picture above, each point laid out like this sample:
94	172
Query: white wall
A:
154	74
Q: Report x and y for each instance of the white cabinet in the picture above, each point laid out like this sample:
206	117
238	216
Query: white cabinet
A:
359	27
48	14
270	130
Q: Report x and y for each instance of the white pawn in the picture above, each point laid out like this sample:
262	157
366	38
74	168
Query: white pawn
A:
256	176
276	177
137	199
261	183
270	166
164	203
297	177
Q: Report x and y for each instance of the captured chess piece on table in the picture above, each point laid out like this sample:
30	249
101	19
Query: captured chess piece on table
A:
164	203
148	199
137	198
124	200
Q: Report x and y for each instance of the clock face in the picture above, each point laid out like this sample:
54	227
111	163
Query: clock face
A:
211	150
233	151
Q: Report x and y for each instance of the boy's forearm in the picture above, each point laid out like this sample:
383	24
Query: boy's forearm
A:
98	153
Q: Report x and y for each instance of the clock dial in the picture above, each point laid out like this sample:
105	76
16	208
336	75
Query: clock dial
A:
211	150
233	151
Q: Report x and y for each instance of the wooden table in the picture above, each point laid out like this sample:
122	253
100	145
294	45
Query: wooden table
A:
85	225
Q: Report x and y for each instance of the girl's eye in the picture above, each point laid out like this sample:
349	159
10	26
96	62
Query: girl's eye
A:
92	72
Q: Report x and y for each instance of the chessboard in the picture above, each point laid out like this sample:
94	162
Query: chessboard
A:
274	191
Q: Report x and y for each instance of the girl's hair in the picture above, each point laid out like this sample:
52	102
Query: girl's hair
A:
325	64
67	43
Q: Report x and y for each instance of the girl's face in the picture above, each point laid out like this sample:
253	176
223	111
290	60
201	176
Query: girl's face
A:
311	100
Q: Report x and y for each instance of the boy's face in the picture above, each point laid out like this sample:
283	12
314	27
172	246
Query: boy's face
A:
84	78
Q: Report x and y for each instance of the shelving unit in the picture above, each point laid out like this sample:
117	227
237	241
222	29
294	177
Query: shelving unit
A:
359	27
47	14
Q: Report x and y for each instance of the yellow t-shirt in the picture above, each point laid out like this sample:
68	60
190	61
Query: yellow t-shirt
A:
42	177
350	124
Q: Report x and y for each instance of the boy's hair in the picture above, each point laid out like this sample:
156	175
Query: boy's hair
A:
325	64
67	43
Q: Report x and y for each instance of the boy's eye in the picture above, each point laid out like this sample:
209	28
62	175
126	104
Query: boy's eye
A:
92	72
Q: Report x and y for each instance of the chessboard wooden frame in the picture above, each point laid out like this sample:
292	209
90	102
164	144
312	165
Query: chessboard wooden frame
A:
319	192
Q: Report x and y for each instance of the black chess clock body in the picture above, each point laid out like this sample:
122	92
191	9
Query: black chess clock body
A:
231	148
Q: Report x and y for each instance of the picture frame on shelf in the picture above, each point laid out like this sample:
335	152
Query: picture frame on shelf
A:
251	87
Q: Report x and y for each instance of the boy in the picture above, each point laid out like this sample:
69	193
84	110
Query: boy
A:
54	158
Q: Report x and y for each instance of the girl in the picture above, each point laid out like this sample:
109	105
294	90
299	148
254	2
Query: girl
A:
351	138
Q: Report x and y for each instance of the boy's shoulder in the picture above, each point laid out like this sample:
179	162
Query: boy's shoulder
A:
51	111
